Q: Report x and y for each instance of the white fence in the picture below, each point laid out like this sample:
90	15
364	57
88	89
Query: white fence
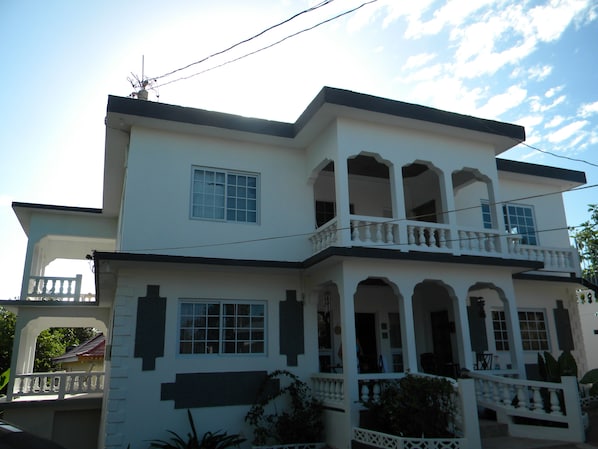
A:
59	383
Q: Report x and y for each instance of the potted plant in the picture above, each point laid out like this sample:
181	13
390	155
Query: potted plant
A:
290	415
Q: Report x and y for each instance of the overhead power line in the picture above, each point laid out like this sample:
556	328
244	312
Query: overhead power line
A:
268	46
313	8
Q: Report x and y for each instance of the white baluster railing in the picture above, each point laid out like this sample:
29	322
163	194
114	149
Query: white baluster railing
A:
52	288
58	383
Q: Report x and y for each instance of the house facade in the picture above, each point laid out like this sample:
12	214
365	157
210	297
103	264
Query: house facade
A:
229	247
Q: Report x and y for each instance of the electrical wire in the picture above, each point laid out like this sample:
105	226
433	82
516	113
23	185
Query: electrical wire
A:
398	220
230	61
313	8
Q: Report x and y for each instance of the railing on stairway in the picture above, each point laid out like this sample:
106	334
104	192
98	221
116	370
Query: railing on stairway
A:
58	383
329	388
533	409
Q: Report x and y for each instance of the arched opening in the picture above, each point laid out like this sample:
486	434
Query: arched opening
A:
325	194
435	336
370	193
422	193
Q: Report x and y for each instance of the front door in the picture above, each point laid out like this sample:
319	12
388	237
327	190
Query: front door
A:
365	331
441	337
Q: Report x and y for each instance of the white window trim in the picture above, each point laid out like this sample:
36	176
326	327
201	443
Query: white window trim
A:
546	330
220	339
226	172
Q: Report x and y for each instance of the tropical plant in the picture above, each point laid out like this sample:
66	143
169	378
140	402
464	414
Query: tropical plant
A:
209	440
288	415
551	370
414	406
591	377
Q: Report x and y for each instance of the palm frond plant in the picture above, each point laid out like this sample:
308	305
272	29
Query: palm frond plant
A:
209	440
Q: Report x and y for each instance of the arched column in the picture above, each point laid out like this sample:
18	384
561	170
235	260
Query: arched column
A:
398	201
507	295
462	328
407	326
341	185
346	289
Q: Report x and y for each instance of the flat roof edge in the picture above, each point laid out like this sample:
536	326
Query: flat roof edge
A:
545	171
53	207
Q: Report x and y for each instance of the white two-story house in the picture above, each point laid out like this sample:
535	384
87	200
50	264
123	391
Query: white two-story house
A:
228	247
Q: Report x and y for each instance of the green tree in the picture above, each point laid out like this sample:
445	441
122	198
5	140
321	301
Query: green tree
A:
56	341
7	335
586	238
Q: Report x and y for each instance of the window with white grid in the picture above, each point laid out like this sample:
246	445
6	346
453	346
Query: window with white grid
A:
222	327
224	195
534	334
499	327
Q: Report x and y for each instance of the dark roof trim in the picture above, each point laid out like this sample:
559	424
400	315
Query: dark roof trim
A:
396	108
138	257
372	253
391	254
162	111
328	95
545	171
87	210
548	278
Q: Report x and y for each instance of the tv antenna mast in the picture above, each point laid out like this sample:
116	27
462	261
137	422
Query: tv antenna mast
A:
142	85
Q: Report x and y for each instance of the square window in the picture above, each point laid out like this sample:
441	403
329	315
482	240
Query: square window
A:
210	188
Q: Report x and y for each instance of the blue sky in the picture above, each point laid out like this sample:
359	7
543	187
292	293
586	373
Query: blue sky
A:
527	62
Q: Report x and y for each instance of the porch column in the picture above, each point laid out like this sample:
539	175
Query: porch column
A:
398	202
341	184
23	358
448	206
462	328
346	290
514	331
407	327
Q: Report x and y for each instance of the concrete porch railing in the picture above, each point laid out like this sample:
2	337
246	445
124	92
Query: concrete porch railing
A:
58	383
329	388
533	409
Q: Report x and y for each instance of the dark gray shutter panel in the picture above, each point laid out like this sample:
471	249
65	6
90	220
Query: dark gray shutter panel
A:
563	327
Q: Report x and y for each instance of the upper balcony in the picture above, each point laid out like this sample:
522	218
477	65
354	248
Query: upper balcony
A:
419	207
60	240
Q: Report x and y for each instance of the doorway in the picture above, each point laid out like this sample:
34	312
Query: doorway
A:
365	332
441	337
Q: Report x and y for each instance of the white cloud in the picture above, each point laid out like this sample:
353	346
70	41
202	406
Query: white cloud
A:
552	91
530	122
588	109
418	60
566	132
539	73
499	104
549	21
556	121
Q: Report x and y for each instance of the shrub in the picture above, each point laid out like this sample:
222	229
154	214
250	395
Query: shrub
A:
414	406
289	415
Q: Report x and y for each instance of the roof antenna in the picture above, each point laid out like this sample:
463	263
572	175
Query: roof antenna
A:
142	85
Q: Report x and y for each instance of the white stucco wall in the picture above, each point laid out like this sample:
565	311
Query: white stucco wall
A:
157	219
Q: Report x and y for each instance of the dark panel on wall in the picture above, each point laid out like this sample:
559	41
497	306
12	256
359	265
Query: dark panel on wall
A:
194	390
149	334
477	329
563	327
291	328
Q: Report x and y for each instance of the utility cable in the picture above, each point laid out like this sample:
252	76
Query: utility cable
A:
230	61
313	8
398	220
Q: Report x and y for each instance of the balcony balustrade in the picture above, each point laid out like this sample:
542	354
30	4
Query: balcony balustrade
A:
58	383
409	235
61	289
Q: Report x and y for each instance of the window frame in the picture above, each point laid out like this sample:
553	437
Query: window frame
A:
502	330
544	330
222	328
508	221
227	173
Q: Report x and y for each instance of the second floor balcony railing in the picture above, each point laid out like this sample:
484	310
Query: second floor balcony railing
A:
61	289
58	383
410	235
